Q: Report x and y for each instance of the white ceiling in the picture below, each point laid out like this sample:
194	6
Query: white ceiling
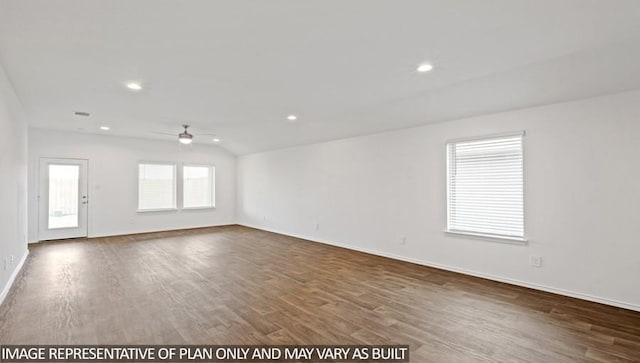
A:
238	68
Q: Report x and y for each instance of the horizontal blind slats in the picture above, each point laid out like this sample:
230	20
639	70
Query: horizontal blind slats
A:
485	186
156	186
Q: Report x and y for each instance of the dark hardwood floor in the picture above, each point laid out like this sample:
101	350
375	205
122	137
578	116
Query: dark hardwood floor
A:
237	285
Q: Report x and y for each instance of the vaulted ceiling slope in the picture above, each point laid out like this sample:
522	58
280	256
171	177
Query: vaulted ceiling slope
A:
237	68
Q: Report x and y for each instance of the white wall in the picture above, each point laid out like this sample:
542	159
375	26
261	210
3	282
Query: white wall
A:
113	182
582	197
13	181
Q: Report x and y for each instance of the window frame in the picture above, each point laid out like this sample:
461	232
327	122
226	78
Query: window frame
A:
175	186
212	173
519	240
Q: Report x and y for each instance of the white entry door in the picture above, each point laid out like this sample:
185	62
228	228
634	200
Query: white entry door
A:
63	199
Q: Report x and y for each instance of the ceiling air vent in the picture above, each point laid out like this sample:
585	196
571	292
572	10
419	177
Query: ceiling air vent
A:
82	113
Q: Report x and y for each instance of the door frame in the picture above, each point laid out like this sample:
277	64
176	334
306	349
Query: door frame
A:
44	234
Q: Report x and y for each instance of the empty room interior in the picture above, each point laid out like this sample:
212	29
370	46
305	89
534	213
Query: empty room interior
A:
460	178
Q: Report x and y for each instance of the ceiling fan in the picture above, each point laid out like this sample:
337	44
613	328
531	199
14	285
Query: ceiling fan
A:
185	137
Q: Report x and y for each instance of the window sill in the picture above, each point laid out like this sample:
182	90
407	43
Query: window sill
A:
198	208
489	237
157	210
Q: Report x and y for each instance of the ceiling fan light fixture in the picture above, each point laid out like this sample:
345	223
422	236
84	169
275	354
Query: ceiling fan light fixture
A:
185	137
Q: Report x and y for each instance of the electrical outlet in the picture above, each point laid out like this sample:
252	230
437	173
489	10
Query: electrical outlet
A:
264	218
536	261
403	240
317	226
11	259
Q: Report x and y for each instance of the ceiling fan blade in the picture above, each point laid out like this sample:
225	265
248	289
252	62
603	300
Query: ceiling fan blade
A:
163	133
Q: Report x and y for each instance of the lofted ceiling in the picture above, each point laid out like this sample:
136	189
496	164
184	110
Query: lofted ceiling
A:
237	68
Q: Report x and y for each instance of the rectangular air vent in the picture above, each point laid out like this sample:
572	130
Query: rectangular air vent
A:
81	113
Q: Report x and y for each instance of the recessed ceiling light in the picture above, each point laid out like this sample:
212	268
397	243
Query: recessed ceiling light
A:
216	140
134	86
292	117
105	128
425	67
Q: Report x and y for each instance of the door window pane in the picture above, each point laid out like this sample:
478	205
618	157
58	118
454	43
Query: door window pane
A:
63	196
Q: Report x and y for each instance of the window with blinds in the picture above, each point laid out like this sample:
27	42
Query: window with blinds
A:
198	186
156	186
485	193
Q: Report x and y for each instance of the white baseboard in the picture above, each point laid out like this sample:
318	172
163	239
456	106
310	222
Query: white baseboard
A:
157	230
121	233
507	280
13	276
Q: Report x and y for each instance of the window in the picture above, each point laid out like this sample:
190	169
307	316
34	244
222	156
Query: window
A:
485	194
198	186
64	188
156	186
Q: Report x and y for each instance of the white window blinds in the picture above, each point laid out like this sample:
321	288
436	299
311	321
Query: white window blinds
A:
156	186
485	187
198	186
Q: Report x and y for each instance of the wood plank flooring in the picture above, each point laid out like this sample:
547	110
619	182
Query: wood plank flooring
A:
237	285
